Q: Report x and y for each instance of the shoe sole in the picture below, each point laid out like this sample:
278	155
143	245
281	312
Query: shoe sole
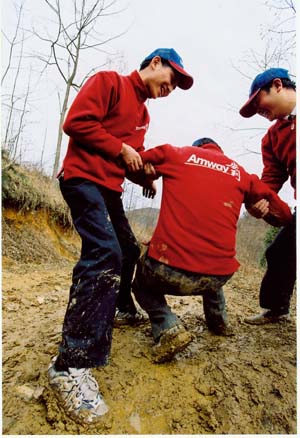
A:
85	417
225	333
267	321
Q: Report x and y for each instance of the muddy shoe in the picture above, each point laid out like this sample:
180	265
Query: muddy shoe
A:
127	318
171	342
78	393
222	330
268	317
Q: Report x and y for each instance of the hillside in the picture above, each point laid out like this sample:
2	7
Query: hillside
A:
143	220
245	384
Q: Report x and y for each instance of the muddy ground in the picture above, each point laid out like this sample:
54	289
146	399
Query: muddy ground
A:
244	384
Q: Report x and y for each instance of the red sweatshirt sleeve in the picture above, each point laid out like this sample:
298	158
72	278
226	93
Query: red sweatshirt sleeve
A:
280	213
155	155
91	105
274	172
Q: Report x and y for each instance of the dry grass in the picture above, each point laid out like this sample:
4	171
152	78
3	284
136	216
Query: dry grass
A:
251	235
251	240
27	189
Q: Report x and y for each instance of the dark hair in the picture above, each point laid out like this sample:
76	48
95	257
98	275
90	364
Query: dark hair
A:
204	140
145	63
286	83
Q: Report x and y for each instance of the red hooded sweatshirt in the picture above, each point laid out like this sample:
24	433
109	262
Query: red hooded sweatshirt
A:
108	110
203	191
279	154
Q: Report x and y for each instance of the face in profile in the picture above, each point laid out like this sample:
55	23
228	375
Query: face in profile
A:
271	104
162	80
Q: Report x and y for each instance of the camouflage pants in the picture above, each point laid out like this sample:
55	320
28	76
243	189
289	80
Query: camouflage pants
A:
154	280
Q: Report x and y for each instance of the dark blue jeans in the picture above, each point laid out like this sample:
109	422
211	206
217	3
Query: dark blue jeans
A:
279	280
154	280
108	248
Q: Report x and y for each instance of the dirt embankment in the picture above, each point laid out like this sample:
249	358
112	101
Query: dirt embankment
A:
244	384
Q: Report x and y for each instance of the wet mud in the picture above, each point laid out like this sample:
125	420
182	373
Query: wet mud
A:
244	384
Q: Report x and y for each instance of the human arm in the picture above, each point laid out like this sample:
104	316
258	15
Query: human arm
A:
145	178
259	209
157	155
131	158
151	158
278	213
84	121
274	173
149	189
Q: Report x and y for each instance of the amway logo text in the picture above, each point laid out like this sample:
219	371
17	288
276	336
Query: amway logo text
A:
231	169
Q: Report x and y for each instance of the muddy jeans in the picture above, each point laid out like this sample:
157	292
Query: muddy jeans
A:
109	248
279	280
154	279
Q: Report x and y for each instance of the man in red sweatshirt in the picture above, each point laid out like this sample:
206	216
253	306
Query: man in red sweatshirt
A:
273	96
192	250
106	124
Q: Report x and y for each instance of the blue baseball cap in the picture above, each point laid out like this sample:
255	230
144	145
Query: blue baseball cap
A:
170	55
248	110
203	140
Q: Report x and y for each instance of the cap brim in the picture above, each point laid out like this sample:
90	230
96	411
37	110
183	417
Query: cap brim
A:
185	80
249	109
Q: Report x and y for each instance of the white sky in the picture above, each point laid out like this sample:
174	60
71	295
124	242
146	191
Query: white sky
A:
210	36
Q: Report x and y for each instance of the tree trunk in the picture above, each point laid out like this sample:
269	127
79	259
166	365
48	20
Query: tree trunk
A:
60	131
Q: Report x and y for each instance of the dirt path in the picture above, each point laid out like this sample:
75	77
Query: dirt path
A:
244	384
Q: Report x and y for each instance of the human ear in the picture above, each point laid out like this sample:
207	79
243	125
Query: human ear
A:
155	61
278	84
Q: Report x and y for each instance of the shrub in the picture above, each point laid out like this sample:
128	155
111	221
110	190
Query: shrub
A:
270	235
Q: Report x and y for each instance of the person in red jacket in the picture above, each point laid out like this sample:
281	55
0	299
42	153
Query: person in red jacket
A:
106	124
273	96
192	250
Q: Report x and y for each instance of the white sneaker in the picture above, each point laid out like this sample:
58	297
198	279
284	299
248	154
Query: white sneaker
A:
127	318
78	393
267	317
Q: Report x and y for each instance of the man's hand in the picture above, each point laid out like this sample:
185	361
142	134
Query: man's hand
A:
149	188
150	172
260	209
149	192
131	158
143	176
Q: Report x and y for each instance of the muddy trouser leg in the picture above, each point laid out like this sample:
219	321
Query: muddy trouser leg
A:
279	280
149	288
154	279
130	251
214	309
88	323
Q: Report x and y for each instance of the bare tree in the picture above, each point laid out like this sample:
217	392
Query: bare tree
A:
279	49
283	28
13	42
279	37
76	31
14	102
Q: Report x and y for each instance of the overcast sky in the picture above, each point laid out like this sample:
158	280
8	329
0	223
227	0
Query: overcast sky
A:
212	38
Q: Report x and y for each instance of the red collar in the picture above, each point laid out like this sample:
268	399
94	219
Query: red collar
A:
139	86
